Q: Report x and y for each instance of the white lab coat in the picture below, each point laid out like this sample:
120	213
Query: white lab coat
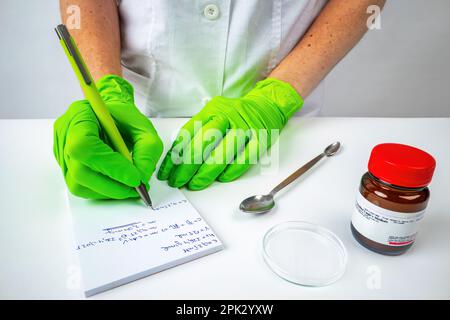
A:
178	54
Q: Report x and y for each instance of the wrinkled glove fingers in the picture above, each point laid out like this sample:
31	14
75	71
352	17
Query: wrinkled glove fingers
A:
99	184
184	137
81	191
242	162
198	150
225	152
143	140
84	145
147	150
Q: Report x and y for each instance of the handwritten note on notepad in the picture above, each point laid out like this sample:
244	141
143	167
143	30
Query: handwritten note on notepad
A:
121	241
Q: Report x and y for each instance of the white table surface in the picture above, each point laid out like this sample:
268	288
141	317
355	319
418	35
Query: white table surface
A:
38	259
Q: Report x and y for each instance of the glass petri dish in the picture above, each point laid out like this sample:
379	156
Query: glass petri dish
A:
304	253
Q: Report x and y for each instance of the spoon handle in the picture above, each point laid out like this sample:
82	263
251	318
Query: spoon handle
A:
297	173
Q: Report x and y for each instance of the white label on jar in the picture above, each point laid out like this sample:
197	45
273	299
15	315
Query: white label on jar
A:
385	226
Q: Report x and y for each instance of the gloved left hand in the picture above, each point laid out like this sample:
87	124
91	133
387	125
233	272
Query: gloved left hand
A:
228	135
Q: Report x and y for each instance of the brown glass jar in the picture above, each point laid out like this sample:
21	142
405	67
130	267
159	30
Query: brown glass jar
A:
392	198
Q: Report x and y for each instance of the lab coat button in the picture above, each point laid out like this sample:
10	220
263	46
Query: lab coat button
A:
211	12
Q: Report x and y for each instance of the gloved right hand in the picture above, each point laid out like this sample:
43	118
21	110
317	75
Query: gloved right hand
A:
91	168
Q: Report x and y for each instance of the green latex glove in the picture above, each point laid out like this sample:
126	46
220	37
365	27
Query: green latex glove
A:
91	168
228	135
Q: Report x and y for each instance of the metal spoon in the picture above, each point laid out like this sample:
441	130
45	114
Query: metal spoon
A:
264	203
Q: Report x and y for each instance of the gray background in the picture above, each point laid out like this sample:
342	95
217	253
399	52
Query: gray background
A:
402	70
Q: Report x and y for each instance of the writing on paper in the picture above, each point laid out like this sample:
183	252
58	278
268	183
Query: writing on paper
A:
186	236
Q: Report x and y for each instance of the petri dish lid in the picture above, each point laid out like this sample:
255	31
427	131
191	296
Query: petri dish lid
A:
304	253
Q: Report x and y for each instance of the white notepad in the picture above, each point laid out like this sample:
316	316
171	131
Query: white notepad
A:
121	241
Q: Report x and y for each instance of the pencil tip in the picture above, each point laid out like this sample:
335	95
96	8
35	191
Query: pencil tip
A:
144	196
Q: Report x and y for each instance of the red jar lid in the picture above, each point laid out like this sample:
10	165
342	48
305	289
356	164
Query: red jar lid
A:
401	165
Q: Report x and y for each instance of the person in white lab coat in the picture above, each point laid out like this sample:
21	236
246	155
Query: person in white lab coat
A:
228	64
